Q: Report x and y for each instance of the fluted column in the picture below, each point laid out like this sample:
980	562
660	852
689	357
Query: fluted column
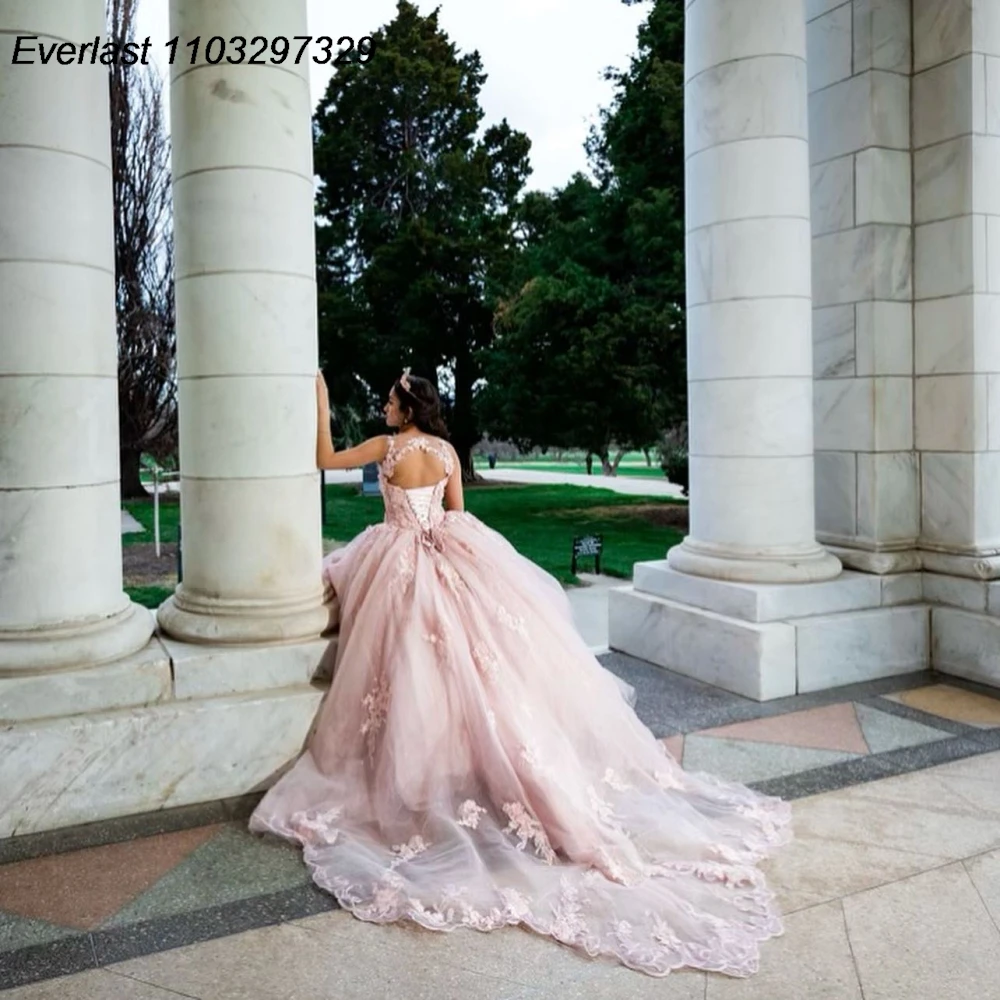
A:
749	296
246	333
61	598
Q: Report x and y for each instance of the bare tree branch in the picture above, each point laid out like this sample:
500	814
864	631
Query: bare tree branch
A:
144	280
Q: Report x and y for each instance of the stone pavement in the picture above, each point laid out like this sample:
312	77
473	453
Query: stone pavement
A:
893	881
590	608
891	892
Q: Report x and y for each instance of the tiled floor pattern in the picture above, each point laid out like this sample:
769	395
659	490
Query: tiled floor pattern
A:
891	891
65	906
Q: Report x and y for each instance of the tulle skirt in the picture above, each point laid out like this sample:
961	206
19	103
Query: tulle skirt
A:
474	765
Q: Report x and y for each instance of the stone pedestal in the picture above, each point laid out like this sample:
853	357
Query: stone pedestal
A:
773	641
246	326
749	296
175	725
61	598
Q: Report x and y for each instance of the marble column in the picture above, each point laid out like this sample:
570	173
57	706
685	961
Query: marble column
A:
246	326
749	296
61	598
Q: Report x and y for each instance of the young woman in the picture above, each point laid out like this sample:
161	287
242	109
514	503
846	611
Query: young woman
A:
474	765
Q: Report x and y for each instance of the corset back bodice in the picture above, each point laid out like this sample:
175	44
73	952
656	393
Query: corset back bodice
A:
420	508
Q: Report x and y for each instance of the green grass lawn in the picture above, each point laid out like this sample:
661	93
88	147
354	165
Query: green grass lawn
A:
149	597
142	511
539	521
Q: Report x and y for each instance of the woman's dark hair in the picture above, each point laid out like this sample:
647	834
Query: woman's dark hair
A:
422	402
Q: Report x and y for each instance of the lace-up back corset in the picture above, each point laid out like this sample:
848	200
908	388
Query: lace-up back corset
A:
418	507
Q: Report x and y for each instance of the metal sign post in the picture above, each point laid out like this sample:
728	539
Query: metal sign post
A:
588	547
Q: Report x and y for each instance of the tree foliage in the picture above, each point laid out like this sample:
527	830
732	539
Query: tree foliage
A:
589	350
415	215
144	290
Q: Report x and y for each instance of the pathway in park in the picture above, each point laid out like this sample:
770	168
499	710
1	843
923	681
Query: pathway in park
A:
651	486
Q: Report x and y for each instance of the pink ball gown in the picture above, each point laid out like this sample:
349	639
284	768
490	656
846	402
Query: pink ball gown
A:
474	765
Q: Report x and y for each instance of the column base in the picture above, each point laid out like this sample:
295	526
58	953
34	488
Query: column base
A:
195	618
970	565
767	641
77	644
880	562
808	564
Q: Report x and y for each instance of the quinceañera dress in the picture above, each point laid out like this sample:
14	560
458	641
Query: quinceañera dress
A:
474	765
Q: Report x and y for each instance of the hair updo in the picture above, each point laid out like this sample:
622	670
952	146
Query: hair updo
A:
422	402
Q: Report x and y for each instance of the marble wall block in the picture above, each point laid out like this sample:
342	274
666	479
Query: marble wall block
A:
863	645
888	497
817	8
941	32
993	95
832	194
863	414
951	413
993	254
870	262
872	109
944	335
882	36
947	488
834	343
836	493
830	46
987	500
950	257
949	100
943	178
956	592
756	660
883	186
966	645
884	338
69	771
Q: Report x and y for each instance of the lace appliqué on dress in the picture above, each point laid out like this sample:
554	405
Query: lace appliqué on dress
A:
408	851
406	568
316	828
613	780
528	829
514	622
486	661
376	704
568	923
469	812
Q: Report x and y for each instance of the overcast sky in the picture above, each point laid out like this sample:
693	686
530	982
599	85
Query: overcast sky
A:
544	59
